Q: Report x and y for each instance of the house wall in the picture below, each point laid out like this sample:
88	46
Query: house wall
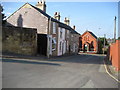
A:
19	40
29	17
61	41
74	43
67	39
76	39
54	36
114	53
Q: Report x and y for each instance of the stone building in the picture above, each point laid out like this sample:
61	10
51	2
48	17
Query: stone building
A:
51	33
88	43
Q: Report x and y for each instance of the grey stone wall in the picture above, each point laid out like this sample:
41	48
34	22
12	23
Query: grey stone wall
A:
19	40
74	39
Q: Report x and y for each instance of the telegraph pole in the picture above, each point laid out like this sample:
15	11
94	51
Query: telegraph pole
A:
104	44
115	29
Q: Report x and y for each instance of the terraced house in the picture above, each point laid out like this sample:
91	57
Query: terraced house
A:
54	38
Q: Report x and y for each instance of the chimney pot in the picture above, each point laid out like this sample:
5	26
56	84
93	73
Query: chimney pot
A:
67	21
57	16
74	27
41	5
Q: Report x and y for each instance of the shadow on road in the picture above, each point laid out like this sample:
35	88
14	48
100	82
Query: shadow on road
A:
81	58
28	62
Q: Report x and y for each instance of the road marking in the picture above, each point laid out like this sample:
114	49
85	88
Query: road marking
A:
109	73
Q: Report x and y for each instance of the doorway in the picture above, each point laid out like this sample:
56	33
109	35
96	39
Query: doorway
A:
86	47
42	44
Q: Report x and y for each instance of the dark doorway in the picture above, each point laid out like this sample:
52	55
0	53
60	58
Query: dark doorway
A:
86	47
42	44
92	46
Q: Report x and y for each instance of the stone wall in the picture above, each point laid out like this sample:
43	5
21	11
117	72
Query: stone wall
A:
19	40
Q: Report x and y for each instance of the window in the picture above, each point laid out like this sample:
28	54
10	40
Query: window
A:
54	28
53	44
67	34
67	45
92	46
87	38
60	33
60	48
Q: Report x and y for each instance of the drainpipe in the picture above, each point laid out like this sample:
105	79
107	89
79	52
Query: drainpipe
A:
48	41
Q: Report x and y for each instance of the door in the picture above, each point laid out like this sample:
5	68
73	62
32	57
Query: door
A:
42	44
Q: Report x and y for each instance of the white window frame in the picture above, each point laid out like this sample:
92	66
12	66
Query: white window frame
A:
54	27
67	34
54	43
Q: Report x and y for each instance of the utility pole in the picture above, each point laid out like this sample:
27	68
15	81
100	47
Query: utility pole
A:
48	40
104	44
115	29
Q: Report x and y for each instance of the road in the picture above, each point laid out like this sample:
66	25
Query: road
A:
75	71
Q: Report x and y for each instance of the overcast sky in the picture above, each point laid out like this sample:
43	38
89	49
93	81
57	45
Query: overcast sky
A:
97	17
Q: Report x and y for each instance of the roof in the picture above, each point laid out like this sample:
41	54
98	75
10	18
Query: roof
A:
68	27
52	19
91	34
55	20
44	13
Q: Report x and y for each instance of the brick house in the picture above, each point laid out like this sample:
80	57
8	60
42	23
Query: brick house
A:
88	43
53	36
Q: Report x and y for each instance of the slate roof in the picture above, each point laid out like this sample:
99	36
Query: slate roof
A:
55	20
52	19
91	34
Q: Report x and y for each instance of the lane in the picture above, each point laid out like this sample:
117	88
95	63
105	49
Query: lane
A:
76	71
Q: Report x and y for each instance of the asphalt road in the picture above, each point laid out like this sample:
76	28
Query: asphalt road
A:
76	71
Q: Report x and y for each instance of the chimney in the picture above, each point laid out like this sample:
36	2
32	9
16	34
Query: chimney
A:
67	21
41	5
57	16
74	27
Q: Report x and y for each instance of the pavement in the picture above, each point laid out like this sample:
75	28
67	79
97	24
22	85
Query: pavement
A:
0	75
111	70
12	55
75	71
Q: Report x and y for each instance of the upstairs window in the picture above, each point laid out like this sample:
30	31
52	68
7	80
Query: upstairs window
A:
67	34
53	44
54	28
60	33
60	48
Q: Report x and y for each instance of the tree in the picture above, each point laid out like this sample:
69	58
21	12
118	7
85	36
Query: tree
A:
118	38
101	44
3	15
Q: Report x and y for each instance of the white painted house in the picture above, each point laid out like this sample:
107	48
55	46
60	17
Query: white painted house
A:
61	41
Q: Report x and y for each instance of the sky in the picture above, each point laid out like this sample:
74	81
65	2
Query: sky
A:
97	17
